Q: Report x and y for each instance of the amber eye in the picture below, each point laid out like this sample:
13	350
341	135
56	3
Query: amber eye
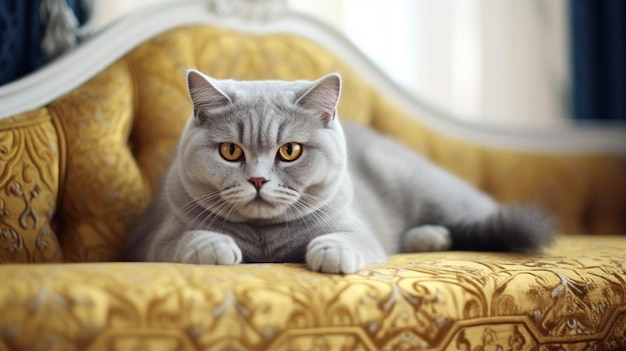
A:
290	152
231	152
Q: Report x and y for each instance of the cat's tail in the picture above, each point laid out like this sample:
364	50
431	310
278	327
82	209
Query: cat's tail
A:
513	228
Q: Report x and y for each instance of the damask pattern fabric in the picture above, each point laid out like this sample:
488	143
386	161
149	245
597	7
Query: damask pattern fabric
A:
76	174
570	298
29	188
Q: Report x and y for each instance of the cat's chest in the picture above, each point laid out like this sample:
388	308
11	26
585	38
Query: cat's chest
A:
285	242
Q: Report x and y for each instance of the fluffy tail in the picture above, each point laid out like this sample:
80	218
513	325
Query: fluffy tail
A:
513	228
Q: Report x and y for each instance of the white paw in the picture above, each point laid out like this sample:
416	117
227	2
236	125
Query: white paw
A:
427	238
331	256
204	247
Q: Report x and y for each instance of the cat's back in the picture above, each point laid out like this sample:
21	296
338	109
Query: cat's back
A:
366	147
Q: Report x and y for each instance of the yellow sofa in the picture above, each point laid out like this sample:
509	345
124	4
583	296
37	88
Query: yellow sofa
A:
84	141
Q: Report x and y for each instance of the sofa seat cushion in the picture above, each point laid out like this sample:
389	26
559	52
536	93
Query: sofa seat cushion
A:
573	293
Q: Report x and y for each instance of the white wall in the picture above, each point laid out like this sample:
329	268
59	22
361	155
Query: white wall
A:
525	60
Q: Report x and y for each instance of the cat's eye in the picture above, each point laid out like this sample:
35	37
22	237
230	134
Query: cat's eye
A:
231	152
290	152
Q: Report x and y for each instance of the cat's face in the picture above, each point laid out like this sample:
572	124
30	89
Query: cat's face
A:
264	150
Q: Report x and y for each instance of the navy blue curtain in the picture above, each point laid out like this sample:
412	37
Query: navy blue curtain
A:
598	43
21	32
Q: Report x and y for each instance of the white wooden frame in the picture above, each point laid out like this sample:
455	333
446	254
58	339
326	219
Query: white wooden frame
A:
273	16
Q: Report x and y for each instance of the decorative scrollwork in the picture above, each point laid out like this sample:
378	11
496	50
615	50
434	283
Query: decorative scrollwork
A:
16	242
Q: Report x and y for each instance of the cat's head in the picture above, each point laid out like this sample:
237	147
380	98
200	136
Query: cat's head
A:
262	150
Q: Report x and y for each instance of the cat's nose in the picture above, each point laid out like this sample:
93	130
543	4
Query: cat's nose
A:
257	182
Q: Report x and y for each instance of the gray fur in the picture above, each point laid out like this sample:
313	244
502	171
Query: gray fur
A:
347	201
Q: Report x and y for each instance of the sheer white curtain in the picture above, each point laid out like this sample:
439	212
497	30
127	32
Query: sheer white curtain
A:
488	61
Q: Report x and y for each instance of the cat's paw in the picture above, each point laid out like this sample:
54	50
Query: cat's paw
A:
331	256
204	247
427	238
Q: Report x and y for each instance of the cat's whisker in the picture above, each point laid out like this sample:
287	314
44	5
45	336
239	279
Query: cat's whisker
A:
323	218
231	190
184	211
227	215
321	214
203	215
191	205
214	213
304	219
207	204
309	209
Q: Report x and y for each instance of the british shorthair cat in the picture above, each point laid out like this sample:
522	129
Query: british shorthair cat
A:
265	172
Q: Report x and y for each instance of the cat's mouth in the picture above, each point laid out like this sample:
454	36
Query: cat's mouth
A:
259	205
265	204
259	199
261	208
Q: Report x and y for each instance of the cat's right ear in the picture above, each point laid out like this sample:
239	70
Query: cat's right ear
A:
204	94
323	97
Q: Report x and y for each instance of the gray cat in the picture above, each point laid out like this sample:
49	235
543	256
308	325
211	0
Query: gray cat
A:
265	173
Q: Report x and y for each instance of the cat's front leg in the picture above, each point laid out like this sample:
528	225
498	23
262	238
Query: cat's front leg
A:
205	247
343	253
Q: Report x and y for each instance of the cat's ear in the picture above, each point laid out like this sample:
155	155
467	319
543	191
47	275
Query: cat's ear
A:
205	95
323	96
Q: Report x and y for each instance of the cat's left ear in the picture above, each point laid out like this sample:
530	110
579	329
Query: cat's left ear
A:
323	96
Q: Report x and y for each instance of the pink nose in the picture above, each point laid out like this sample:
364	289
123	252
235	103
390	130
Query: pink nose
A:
257	182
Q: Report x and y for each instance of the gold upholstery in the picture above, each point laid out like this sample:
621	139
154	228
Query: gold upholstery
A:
446	301
77	173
